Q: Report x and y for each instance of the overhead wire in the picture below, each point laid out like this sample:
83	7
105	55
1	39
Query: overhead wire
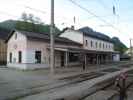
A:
37	10
44	12
89	12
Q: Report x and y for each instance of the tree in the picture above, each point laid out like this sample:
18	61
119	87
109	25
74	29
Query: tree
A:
24	17
118	45
28	22
31	18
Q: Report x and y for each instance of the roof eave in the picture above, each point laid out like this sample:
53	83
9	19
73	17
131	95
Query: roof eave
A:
9	36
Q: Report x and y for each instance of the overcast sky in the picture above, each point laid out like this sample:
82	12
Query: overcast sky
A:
119	24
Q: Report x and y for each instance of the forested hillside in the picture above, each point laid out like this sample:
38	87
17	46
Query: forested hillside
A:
118	45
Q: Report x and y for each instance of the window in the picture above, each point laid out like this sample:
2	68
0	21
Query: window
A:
86	42
103	45
73	57
19	56
38	56
99	45
91	43
10	57
15	36
106	46
96	44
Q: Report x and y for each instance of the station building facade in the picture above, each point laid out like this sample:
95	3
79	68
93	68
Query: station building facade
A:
99	47
28	50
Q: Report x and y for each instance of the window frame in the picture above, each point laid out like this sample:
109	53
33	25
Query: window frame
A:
10	57
86	42
91	43
96	44
38	58
103	45
100	45
16	36
19	56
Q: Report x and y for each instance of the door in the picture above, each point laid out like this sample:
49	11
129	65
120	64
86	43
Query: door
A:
10	58
38	56
62	59
19	56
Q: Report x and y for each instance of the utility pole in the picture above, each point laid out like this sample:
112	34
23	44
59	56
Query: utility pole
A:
52	39
131	49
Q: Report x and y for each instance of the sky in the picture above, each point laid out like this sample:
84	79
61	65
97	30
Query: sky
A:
99	15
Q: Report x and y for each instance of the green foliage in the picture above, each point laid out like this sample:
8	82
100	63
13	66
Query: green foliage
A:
31	27
31	18
8	24
28	22
24	17
26	26
118	45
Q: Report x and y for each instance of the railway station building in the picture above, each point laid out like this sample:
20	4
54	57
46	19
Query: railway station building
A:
28	50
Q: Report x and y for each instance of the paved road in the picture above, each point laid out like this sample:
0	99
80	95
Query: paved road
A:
16	84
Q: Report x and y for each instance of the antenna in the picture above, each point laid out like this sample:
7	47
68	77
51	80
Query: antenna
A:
74	22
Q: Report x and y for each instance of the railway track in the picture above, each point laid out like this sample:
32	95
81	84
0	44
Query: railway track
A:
65	82
110	92
129	84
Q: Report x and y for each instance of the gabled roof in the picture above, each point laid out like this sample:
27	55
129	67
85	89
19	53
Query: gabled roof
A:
90	32
42	37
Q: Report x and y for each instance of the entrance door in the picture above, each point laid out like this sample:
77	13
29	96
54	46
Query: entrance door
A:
62	59
10	58
38	56
19	56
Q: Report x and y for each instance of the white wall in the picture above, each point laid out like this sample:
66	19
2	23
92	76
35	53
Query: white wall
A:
16	45
116	57
73	35
33	46
30	56
94	40
79	38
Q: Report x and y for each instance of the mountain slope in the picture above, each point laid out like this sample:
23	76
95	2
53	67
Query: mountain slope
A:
9	25
118	45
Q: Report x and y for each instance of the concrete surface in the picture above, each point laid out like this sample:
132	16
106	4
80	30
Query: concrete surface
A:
101	95
76	91
17	84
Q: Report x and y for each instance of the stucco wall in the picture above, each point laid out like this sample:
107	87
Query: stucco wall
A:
33	46
116	57
73	35
15	45
80	38
42	46
19	42
107	45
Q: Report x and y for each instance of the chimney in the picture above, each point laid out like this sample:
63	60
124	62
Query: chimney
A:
72	27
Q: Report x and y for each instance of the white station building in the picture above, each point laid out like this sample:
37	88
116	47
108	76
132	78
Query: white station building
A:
28	50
